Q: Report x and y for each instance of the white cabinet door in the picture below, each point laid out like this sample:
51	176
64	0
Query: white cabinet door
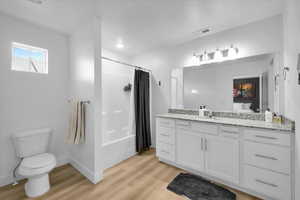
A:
189	149
222	158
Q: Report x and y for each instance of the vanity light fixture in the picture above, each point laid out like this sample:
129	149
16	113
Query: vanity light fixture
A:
196	60
232	52
205	56
218	55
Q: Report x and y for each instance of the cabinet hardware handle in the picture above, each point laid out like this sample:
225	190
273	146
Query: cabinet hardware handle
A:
166	135
266	183
266	137
183	124
230	132
201	143
205	144
266	157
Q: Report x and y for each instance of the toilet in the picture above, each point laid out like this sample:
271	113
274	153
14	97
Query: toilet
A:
31	147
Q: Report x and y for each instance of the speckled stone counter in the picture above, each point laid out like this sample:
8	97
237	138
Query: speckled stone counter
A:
231	121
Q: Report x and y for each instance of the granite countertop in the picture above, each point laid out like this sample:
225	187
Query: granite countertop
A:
231	121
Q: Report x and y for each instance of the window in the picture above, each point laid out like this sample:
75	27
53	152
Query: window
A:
29	59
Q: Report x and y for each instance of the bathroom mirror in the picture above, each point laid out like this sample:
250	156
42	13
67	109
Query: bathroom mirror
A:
250	84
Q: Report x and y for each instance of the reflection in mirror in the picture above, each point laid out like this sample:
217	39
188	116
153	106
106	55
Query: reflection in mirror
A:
242	85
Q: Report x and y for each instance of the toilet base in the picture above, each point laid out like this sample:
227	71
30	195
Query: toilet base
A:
37	185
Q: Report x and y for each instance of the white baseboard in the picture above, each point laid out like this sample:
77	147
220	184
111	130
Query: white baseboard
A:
7	180
90	175
62	161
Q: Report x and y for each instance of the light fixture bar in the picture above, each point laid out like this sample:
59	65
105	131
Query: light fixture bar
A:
218	55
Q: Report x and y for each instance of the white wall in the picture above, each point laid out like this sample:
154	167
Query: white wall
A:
291	51
253	39
85	84
29	100
118	138
257	38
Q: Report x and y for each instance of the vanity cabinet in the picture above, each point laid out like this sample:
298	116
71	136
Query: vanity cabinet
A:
165	144
216	156
190	151
222	158
257	161
267	163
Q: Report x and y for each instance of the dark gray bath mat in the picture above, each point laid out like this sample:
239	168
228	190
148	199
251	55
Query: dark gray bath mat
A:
197	188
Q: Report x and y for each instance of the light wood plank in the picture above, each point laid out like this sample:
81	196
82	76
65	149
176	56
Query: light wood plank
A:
141	177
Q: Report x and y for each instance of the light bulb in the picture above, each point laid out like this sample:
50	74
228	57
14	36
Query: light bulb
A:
218	56
195	60
205	56
232	52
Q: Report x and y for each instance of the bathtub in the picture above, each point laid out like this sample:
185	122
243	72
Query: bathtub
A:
118	150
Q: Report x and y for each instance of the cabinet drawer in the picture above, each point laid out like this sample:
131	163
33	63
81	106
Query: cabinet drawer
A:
166	135
163	122
268	156
182	124
266	136
205	128
166	151
230	131
271	184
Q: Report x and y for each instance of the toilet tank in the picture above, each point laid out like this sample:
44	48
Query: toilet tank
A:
29	143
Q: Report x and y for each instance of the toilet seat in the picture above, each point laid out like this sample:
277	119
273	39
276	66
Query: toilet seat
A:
38	164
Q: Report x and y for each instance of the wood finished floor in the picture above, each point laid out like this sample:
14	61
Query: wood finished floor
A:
141	177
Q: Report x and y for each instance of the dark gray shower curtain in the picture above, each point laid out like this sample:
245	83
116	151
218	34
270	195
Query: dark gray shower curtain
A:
142	110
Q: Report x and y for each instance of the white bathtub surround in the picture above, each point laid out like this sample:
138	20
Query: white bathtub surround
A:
118	151
256	160
116	102
118	110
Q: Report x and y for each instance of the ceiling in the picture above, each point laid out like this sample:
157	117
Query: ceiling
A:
60	15
150	24
143	25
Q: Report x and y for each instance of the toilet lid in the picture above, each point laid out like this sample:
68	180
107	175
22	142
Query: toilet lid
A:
38	161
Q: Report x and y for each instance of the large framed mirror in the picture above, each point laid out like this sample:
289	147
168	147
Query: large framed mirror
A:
250	84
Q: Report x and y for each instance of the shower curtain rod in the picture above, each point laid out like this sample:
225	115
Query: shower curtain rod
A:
123	63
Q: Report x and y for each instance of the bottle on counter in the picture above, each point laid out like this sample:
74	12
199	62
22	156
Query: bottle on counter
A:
277	118
268	116
201	111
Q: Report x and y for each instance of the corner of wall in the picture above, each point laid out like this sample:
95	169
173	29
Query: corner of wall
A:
94	177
